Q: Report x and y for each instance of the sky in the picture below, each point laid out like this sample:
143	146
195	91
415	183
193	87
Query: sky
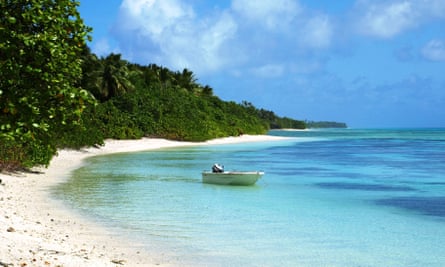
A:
368	63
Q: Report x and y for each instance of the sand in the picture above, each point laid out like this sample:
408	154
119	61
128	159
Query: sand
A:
38	230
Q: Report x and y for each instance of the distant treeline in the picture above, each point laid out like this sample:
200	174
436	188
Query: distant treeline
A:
136	101
325	124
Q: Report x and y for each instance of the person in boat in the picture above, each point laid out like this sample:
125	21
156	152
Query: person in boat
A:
217	168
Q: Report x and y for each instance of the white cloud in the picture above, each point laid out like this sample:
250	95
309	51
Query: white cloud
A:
318	32
388	18
154	16
214	40
246	34
434	50
169	33
102	47
287	24
201	47
272	14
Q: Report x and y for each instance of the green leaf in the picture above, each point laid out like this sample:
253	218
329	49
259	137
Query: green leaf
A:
38	60
12	20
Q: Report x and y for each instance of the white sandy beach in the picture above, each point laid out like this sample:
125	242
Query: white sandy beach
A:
37	230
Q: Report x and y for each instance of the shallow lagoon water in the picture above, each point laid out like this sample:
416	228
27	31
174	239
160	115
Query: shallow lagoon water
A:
329	198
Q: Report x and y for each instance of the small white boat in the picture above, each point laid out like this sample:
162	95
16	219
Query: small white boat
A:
221	177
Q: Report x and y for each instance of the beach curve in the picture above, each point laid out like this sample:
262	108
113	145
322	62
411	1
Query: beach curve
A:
37	230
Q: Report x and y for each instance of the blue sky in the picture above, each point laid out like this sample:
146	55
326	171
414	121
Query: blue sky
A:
369	63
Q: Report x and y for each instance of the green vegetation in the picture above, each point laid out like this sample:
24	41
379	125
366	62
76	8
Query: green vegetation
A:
40	46
54	93
137	101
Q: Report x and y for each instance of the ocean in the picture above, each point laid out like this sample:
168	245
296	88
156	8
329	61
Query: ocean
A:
330	197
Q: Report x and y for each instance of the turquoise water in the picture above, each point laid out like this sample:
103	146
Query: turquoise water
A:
329	198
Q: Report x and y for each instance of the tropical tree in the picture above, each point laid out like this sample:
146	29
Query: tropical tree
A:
207	90
116	77
92	72
186	79
40	65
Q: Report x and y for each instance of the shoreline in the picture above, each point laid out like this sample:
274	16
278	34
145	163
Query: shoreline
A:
38	230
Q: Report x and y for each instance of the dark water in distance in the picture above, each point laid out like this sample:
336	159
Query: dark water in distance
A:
332	197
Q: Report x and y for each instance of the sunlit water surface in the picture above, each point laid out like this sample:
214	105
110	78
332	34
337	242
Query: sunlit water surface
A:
329	198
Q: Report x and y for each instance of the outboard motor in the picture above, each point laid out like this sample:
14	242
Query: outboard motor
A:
217	168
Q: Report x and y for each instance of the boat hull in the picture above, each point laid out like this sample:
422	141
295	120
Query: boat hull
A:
231	178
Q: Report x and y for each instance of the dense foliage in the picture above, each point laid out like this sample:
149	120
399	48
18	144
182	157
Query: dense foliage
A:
40	46
151	100
55	93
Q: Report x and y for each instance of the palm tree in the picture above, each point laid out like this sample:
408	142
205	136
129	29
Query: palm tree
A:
115	79
92	71
207	91
186	80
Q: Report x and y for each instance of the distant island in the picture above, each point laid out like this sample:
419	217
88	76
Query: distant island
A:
325	124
